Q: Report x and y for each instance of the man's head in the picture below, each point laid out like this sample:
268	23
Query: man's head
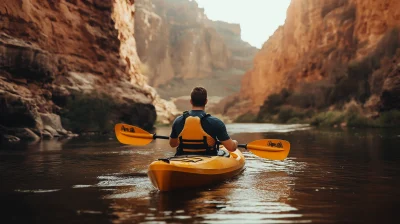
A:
198	97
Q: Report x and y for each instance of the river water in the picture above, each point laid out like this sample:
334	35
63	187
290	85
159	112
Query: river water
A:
330	176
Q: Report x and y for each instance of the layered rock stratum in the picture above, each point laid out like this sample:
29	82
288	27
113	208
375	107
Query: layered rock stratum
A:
331	50
57	54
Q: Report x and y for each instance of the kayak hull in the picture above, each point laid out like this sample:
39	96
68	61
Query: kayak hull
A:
183	172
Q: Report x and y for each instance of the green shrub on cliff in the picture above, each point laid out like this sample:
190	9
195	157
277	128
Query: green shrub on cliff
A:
354	119
329	118
295	120
246	118
287	114
359	121
272	106
88	113
389	119
301	100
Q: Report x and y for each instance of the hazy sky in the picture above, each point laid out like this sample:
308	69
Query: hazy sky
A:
258	18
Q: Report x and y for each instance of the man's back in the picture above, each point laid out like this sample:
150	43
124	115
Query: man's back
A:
211	125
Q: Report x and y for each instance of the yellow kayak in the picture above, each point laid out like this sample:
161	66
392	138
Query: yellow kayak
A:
191	171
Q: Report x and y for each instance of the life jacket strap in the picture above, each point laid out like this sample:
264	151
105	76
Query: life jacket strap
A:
186	115
201	147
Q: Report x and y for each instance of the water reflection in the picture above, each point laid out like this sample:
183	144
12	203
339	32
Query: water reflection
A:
330	176
260	194
245	198
52	145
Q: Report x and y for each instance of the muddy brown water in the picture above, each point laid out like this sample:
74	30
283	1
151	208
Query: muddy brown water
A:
330	176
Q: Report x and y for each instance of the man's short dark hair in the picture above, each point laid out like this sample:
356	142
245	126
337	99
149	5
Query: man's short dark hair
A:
199	96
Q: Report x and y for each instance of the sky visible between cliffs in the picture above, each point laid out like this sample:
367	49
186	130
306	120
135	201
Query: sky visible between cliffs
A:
258	19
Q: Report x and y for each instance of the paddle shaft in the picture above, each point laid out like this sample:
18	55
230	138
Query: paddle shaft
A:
160	137
242	146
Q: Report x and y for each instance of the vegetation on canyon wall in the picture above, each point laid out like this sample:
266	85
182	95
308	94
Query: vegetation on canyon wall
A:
334	117
337	65
290	108
99	112
346	97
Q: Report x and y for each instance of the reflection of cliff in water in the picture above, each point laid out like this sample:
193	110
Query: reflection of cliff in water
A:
330	176
346	168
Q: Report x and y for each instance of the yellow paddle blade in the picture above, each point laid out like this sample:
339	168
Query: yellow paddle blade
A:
128	134
274	149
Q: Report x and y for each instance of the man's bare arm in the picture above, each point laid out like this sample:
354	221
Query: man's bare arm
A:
173	142
230	145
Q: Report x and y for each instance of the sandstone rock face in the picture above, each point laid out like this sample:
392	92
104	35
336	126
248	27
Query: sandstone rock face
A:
54	51
177	41
325	44
241	52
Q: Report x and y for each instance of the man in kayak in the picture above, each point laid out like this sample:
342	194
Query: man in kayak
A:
196	132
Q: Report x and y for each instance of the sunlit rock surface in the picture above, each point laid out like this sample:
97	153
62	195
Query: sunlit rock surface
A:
349	48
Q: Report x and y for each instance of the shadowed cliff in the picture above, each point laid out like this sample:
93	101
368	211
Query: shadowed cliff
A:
59	57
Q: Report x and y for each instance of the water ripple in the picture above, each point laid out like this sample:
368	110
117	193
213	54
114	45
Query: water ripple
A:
37	190
118	181
265	128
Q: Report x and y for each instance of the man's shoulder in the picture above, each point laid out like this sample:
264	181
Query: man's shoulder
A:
215	119
178	119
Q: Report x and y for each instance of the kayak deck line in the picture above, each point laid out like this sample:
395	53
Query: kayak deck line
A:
186	158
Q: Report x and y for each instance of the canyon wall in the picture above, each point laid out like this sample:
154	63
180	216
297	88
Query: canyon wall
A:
241	52
177	41
333	51
74	58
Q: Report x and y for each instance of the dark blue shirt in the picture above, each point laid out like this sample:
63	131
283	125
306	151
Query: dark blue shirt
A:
211	125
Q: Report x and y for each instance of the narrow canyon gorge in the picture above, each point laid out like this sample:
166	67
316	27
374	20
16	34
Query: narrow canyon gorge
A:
179	48
80	66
